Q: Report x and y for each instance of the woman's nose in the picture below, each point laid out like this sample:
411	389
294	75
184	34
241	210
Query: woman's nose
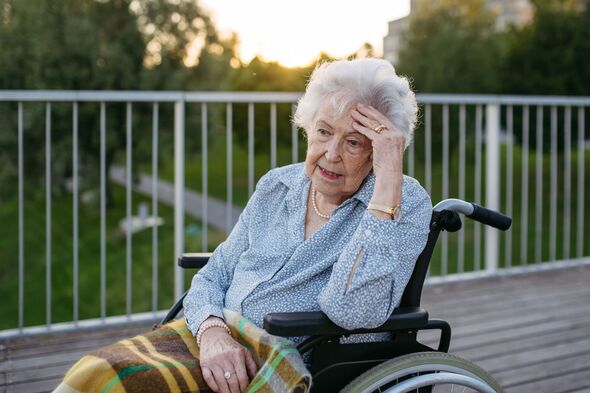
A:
333	151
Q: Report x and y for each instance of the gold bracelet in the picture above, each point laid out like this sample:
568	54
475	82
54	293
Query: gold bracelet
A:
394	212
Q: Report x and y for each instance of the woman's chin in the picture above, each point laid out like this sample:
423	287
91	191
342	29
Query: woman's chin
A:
327	187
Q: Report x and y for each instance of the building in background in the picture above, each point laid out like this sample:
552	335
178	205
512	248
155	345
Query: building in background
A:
510	12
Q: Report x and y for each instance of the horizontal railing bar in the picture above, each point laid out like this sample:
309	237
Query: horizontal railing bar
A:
501	99
267	97
148	96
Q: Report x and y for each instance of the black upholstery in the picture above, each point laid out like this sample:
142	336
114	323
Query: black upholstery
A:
193	260
317	323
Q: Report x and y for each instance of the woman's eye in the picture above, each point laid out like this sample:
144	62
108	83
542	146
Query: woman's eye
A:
353	142
321	131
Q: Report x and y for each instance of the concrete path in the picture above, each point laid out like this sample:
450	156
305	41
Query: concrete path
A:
217	210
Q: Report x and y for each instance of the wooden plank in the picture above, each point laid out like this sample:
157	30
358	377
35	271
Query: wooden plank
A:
583	389
80	343
59	358
533	282
568	382
498	287
50	371
495	350
494	325
505	310
72	336
504	336
550	369
454	302
533	356
41	386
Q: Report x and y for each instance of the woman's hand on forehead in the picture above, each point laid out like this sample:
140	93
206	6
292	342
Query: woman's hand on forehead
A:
388	142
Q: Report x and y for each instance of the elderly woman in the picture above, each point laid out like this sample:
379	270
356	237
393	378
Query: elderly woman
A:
339	233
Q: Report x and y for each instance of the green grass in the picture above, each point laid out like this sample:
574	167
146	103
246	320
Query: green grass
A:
89	259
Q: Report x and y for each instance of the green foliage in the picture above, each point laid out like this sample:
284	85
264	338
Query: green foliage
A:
100	45
550	56
451	47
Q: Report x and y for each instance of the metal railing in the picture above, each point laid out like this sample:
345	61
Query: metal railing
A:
453	128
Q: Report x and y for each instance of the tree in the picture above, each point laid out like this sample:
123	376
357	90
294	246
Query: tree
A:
550	56
452	46
98	45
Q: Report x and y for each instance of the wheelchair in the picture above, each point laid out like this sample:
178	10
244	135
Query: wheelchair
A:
401	364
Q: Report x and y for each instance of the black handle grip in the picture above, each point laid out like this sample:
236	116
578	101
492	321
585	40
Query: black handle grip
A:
490	217
194	260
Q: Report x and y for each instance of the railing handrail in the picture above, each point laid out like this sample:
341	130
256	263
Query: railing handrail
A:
149	96
266	97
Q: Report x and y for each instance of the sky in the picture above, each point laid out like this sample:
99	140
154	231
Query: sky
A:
294	33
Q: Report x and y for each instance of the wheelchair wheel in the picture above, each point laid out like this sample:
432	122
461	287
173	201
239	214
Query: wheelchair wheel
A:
424	372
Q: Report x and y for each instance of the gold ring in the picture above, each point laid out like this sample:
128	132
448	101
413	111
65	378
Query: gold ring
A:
380	128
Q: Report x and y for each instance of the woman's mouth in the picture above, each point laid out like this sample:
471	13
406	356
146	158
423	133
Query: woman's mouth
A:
327	174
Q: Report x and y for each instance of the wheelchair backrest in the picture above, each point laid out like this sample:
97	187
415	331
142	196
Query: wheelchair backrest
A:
443	220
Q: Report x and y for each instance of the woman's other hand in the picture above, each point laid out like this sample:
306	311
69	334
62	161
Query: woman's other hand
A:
388	155
219	354
388	142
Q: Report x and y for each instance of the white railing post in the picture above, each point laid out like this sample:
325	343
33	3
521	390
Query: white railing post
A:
492	183
178	196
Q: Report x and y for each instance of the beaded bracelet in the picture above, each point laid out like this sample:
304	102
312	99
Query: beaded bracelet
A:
209	324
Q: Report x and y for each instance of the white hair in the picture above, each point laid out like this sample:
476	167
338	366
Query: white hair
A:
366	81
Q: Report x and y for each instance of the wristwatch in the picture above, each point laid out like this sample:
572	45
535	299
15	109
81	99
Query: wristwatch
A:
394	212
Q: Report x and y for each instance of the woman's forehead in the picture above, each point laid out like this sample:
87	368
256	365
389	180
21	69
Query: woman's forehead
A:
332	116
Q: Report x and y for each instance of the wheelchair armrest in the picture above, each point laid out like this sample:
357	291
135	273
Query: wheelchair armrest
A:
193	260
317	323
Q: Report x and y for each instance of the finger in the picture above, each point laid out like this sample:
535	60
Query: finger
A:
241	375
371	112
251	365
209	379
366	131
362	119
375	119
218	373
233	383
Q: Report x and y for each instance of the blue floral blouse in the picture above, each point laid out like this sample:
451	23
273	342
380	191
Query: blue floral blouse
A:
354	268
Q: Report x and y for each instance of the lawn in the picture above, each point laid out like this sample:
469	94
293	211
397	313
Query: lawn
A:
89	259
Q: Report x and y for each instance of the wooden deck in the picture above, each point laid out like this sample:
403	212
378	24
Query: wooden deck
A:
532	332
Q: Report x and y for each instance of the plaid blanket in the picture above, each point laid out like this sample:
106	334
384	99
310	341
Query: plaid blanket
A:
167	360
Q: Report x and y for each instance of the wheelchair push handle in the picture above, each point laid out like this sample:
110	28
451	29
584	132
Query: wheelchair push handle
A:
476	212
490	217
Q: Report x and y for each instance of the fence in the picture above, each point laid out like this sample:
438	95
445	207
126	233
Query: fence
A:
447	157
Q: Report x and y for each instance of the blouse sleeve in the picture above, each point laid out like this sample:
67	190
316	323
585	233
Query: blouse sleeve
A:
369	278
207	292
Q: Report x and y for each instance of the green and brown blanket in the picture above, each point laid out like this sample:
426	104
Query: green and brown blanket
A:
167	360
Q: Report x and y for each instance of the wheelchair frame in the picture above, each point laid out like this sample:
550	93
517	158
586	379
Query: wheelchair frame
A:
331	359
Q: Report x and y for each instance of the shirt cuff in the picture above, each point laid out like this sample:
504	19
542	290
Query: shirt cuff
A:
194	319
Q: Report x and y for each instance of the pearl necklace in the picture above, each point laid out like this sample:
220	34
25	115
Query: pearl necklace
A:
315	206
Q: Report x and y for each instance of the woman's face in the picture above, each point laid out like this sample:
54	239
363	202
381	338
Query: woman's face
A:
338	157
